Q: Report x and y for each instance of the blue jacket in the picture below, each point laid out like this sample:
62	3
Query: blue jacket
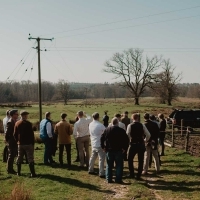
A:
43	130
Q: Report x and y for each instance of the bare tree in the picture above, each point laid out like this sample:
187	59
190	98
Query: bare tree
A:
135	72
64	90
166	86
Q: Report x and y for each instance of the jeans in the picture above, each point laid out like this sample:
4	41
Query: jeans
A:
48	150
134	149
102	155
68	151
155	157
117	157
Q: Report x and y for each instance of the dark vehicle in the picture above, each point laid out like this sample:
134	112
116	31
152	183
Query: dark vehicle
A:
190	118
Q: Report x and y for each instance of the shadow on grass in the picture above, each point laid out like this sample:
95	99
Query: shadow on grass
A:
74	182
185	172
173	185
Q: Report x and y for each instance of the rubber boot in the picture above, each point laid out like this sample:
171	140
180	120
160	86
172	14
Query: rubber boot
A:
19	169
32	170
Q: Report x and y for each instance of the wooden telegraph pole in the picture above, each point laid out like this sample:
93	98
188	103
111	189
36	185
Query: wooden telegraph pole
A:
39	73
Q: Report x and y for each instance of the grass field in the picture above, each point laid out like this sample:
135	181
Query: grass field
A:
100	105
179	178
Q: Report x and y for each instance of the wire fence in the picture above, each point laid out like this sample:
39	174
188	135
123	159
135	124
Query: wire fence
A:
184	138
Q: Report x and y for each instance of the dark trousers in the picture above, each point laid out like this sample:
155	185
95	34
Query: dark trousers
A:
134	149
5	154
68	151
48	150
162	139
12	152
117	157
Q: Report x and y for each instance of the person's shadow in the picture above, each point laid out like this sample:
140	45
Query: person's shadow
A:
74	182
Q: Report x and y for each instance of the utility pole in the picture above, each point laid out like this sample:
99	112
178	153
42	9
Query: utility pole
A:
39	73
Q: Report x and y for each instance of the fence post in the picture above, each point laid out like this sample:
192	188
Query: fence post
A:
187	139
181	127
172	135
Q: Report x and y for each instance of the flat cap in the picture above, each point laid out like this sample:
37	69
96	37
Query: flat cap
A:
23	112
12	112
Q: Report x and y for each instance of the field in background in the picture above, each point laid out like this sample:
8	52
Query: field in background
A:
148	104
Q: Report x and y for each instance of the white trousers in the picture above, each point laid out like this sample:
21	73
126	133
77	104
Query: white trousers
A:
97	152
147	157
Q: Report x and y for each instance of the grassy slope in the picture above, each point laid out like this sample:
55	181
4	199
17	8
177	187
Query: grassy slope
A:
179	178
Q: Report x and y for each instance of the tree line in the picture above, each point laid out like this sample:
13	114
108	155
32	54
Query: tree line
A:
136	76
27	91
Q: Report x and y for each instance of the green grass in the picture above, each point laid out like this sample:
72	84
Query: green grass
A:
179	178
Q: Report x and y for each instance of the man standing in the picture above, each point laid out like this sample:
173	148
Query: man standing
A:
96	130
11	143
105	119
125	119
162	132
114	141
24	136
5	121
81	135
120	124
46	134
136	132
152	145
64	131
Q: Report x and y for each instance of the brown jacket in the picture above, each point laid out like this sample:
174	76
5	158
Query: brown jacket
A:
23	132
64	131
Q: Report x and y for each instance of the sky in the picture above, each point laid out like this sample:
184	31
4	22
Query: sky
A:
87	33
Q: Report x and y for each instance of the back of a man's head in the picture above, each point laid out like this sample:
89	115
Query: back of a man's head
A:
47	115
80	113
161	116
152	117
95	115
118	115
135	117
146	116
115	121
8	113
63	115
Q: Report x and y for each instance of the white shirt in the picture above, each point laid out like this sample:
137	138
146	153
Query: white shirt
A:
96	130
121	125
81	127
49	129
146	132
5	121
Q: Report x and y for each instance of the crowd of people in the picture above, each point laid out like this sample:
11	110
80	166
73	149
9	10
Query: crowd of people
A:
115	142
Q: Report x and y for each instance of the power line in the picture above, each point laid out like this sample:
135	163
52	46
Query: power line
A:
175	19
125	20
65	63
86	50
122	48
32	61
53	65
22	61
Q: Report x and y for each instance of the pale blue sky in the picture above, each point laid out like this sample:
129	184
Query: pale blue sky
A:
79	55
